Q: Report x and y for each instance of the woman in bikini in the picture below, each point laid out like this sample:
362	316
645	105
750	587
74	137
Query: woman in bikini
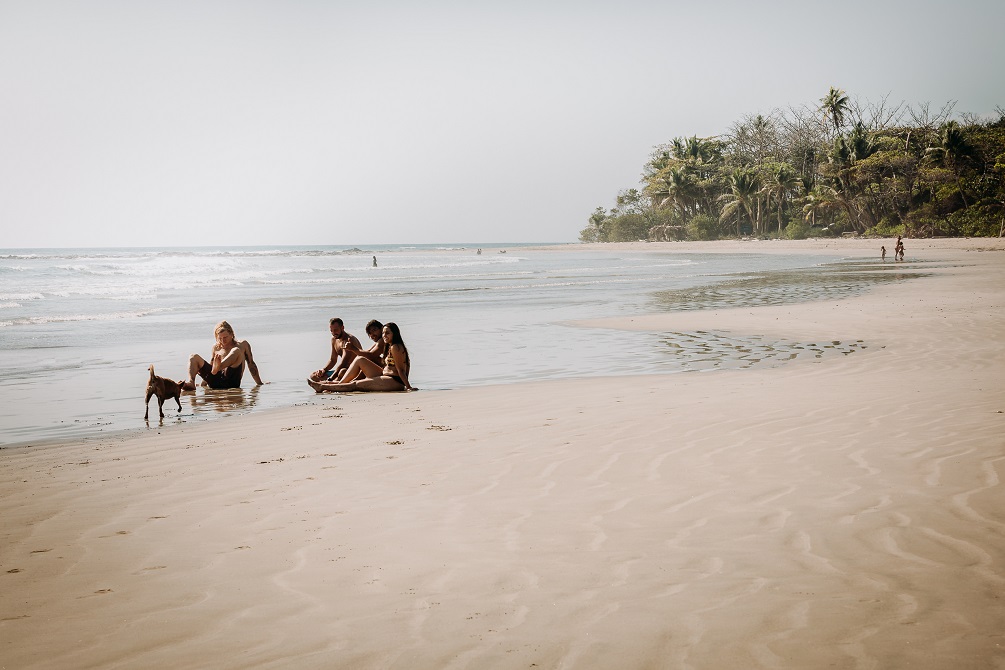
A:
393	376
225	368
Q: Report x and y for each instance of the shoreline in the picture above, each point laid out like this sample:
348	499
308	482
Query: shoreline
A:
838	248
843	511
864	246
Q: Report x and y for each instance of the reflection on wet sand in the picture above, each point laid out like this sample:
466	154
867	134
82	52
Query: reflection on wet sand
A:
827	282
704	350
223	400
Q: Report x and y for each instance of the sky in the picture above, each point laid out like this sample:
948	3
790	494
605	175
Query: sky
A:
296	122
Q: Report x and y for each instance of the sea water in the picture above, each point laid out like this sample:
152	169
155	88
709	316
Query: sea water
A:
78	327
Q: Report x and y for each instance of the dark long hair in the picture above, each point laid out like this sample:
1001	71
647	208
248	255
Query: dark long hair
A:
396	337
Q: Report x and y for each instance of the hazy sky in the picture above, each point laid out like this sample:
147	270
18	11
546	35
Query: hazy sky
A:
155	123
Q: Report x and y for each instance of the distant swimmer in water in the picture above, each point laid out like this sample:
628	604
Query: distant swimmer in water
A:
392	376
225	368
374	261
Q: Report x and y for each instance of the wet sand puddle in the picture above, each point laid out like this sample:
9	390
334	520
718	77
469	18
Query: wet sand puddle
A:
705	350
829	282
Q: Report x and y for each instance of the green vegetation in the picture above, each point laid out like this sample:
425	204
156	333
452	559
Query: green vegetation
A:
822	170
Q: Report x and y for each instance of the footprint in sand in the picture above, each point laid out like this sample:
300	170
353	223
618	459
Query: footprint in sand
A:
40	551
434	427
13	570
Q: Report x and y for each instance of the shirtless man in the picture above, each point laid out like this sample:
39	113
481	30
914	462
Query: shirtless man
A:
375	353
226	367
344	345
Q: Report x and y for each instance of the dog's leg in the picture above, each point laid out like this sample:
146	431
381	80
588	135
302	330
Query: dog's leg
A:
146	415
160	405
178	400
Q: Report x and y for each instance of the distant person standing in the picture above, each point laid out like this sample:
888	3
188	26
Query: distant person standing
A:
898	248
374	261
882	253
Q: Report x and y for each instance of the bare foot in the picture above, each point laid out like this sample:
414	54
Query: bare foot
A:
188	386
315	385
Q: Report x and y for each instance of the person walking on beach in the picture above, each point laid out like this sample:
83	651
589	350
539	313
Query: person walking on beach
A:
341	344
225	368
882	253
897	248
393	376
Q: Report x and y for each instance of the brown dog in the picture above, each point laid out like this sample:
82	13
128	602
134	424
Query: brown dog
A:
164	389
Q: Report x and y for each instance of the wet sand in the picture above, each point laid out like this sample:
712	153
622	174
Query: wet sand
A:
836	503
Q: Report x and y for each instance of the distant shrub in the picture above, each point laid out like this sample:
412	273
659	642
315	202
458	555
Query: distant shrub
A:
628	228
887	227
797	229
704	227
975	222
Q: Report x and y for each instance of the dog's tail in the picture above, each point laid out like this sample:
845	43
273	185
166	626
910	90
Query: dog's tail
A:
151	372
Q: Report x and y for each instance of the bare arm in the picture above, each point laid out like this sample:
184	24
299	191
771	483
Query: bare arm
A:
374	353
398	353
349	350
252	366
222	359
332	360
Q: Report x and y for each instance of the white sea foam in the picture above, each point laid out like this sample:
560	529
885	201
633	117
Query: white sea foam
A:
71	318
21	296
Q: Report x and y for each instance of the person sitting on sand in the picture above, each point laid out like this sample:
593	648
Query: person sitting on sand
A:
393	376
340	340
376	353
226	365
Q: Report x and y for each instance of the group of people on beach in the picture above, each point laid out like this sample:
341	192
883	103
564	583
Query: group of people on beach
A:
898	251
382	367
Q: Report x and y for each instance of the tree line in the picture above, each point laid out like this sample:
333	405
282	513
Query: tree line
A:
842	166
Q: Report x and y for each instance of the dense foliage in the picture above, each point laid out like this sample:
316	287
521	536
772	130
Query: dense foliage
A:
837	167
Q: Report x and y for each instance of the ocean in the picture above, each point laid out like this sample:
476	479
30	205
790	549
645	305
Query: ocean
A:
78	327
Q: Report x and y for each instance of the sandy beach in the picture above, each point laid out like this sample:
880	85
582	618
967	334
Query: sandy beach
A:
846	512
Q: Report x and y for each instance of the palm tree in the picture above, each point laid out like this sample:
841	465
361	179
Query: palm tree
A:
743	188
680	189
819	200
860	143
953	149
835	105
782	181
